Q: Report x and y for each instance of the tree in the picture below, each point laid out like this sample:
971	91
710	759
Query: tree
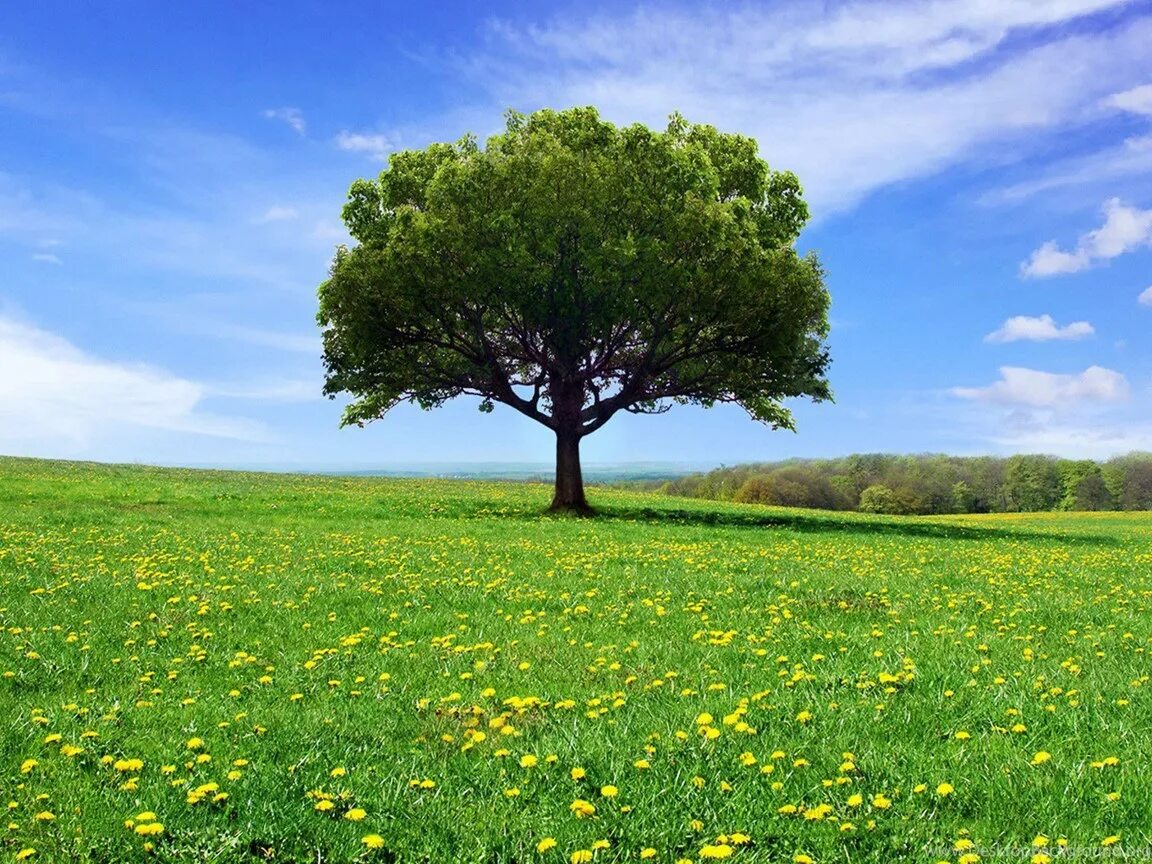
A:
1031	484
1084	486
878	498
963	498
1091	493
571	269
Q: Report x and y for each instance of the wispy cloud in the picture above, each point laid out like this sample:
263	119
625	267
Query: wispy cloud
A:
1145	298
293	117
1138	100
276	390
279	214
867	95
1038	329
1125	228
54	391
46	258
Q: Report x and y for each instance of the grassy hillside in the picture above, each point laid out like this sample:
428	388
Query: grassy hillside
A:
204	666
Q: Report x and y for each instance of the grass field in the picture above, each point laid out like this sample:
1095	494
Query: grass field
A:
204	666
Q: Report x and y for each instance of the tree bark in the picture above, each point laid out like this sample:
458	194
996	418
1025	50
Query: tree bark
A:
569	494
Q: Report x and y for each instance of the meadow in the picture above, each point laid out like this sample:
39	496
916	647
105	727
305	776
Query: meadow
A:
210	666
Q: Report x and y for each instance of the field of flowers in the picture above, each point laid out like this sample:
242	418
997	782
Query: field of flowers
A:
202	666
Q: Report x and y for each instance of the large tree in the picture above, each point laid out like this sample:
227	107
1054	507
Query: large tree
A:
572	269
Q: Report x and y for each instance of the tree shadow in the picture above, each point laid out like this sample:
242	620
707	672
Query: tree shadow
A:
825	522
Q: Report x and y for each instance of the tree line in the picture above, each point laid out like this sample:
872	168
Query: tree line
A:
931	484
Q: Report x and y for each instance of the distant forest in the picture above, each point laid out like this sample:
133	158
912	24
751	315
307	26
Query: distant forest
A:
930	484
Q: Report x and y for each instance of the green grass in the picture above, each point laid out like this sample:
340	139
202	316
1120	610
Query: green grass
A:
306	624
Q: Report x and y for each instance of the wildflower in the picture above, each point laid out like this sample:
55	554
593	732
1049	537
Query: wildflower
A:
717	851
546	844
1041	757
581	856
373	841
528	761
577	773
609	791
356	814
648	852
945	789
582	808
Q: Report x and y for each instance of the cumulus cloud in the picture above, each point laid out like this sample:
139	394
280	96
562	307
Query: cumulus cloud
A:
1138	100
375	146
51	390
851	96
1035	389
293	117
1125	228
1041	329
1145	298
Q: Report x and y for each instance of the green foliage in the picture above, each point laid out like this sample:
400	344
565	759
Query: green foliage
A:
572	269
1031	484
932	483
878	498
333	639
963	498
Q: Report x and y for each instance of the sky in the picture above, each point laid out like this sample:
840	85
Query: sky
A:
171	178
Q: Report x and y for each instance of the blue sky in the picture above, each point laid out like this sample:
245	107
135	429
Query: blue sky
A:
171	177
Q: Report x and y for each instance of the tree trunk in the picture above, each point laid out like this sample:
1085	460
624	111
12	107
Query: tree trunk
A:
569	496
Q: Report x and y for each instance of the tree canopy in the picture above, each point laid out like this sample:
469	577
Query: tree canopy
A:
572	269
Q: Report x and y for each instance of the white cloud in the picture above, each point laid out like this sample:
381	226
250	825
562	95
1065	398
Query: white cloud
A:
1050	260
853	99
1145	298
1138	100
1075	439
376	146
1131	158
46	258
1041	329
1034	389
50	390
1125	228
299	390
293	117
279	214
